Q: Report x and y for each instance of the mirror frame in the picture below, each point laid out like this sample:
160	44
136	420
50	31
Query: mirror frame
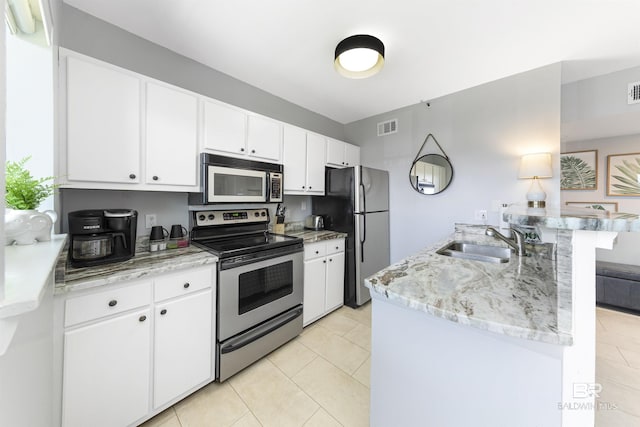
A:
445	159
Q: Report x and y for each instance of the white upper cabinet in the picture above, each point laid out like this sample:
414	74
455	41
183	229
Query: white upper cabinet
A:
264	138
172	137
125	131
225	129
303	160
341	154
234	132
102	126
315	163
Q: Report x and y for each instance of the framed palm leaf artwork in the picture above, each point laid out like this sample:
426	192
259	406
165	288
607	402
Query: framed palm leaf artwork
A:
579	170
623	175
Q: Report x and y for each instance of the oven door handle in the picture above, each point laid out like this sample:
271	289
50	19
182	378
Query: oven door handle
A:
261	331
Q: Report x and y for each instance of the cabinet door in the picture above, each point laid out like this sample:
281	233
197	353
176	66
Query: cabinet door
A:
172	144
103	124
314	290
315	163
224	129
182	345
294	159
335	281
351	155
335	152
264	138
106	372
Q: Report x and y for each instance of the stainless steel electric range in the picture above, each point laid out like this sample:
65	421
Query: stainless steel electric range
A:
260	284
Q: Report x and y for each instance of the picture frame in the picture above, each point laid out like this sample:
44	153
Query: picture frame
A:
579	170
623	175
605	206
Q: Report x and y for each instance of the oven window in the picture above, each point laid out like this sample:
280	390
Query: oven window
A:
262	286
237	185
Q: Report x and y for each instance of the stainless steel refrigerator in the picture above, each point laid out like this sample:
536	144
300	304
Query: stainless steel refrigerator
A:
357	203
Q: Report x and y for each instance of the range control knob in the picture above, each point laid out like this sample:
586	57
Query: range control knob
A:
263	213
257	214
201	217
211	216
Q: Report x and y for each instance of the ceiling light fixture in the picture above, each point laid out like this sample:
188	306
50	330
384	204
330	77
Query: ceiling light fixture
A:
359	56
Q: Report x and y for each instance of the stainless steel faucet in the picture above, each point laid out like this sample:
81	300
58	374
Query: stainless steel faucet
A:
517	243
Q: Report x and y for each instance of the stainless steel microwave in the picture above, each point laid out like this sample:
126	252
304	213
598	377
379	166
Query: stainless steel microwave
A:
231	180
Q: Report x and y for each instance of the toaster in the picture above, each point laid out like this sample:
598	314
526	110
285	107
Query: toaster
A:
314	222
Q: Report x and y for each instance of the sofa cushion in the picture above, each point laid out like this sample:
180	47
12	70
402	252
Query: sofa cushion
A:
620	271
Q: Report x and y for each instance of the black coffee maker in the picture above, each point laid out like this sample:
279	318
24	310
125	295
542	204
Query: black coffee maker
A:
102	236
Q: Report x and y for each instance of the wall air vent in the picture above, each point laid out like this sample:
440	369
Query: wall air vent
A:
388	127
633	94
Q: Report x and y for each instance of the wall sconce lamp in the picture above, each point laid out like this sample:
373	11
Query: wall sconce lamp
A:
359	56
535	166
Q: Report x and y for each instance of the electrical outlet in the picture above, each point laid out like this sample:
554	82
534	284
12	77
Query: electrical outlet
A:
481	214
303	206
150	220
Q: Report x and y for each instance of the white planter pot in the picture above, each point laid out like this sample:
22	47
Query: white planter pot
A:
26	227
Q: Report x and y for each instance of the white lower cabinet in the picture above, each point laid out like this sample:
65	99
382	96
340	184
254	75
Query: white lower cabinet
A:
182	346
131	350
106	371
323	278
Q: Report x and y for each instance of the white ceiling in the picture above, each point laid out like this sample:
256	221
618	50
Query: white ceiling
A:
433	47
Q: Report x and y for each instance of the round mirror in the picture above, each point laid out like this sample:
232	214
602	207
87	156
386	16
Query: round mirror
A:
431	174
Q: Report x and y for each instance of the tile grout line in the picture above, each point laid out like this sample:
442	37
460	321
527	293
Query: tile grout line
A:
245	404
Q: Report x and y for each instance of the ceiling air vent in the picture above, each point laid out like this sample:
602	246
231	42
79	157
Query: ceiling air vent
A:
388	127
633	94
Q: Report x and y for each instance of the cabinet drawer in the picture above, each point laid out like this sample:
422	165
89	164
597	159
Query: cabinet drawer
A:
182	282
105	303
315	250
335	246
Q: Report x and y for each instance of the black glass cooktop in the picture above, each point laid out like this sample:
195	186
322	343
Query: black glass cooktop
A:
237	245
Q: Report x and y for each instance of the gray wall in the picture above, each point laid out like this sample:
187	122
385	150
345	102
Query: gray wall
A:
484	131
86	34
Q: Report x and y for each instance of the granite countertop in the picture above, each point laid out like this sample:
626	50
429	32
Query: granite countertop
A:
143	264
573	219
519	298
296	229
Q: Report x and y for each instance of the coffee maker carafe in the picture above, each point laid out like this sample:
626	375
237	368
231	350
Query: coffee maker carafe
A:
101	236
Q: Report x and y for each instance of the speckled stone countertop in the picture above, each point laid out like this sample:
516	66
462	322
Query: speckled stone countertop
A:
143	264
520	298
573	219
296	229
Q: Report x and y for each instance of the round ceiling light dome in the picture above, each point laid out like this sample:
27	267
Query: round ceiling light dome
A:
359	56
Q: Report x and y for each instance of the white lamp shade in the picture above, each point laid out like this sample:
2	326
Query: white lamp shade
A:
535	166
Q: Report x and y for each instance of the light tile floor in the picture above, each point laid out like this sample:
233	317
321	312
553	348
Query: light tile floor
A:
321	378
618	368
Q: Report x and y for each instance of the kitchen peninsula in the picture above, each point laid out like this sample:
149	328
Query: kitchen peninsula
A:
492	344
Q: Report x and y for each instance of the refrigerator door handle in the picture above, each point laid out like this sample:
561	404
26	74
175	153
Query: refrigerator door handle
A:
364	220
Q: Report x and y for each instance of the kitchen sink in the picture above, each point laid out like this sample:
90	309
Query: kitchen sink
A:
474	251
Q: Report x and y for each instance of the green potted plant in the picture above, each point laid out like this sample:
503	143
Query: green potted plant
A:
24	225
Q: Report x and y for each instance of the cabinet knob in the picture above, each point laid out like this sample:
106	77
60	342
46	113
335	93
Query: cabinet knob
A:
155	177
253	151
303	187
330	260
142	318
343	163
309	187
337	247
132	176
324	261
163	311
242	150
347	164
186	285
317	252
113	303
